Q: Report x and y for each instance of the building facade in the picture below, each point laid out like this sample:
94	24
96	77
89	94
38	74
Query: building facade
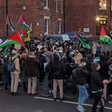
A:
87	15
45	16
56	16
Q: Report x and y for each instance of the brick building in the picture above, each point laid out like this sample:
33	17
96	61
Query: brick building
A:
46	16
80	15
56	16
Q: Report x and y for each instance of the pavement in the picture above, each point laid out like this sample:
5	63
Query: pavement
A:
25	103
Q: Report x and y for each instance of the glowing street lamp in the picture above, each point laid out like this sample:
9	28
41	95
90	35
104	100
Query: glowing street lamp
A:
104	5
97	18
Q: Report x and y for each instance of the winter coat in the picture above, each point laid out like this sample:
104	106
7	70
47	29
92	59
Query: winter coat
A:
6	74
17	65
82	74
42	60
104	69
55	70
23	72
96	81
68	68
31	67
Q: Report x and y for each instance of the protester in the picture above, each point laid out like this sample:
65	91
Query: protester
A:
57	74
24	77
32	71
15	74
42	60
97	87
83	94
6	74
104	73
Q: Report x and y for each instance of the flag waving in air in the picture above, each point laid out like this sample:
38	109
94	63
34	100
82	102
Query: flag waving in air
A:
23	22
5	54
104	37
14	39
24	34
10	24
84	43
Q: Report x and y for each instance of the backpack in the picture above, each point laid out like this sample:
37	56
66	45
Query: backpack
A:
75	75
11	66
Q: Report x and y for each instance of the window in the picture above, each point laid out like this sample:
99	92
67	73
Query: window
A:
46	4
59	25
102	4
46	26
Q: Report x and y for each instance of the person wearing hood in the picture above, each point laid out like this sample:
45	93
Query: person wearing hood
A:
32	71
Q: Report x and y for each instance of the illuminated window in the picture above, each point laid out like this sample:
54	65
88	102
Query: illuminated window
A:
111	5
102	4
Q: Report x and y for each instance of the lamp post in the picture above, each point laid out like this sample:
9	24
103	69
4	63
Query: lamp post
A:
6	16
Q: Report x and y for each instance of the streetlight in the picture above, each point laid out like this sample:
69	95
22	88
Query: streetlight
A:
97	18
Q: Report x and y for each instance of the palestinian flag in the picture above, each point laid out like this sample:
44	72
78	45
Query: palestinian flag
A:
104	37
84	43
14	39
24	34
10	24
5	54
23	23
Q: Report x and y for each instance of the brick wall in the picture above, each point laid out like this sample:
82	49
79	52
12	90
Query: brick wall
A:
79	14
34	14
82	13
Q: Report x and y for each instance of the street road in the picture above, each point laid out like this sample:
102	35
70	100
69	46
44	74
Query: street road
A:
25	103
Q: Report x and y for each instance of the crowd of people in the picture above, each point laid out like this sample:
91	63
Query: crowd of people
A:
58	60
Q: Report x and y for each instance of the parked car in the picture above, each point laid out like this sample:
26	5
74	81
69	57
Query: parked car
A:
73	37
55	37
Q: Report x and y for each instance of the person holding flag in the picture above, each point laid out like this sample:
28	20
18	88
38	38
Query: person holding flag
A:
27	38
26	33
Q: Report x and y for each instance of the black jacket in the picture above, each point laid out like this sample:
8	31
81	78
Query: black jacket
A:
96	81
68	68
82	74
104	69
31	67
55	70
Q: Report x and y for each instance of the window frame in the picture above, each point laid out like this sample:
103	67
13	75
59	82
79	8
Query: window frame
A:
46	25
46	4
